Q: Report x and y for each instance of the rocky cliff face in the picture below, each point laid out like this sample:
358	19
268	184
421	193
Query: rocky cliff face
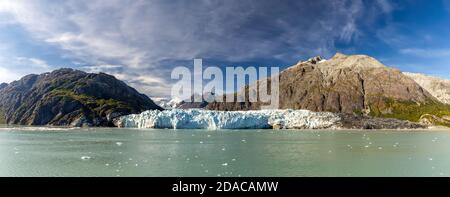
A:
439	88
356	84
69	97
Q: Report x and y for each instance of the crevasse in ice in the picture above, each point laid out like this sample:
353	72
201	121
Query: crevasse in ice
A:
213	120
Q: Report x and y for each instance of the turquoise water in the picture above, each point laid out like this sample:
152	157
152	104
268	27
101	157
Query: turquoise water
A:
133	152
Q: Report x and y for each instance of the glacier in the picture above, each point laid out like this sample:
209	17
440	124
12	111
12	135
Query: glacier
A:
215	120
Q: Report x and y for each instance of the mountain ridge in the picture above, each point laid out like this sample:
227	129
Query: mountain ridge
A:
362	75
67	97
354	84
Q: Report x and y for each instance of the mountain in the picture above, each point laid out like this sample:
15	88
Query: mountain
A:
356	84
439	88
3	85
167	103
207	96
69	97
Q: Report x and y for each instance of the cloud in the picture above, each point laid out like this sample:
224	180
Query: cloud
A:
385	5
427	53
6	76
141	35
33	62
102	68
14	68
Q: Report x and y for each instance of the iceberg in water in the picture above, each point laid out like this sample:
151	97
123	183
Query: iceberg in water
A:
213	120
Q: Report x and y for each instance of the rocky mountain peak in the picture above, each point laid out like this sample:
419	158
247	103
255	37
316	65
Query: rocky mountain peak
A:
341	61
315	60
358	62
3	85
339	56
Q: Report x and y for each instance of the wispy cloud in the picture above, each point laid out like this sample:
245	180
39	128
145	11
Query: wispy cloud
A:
385	5
427	53
7	75
139	35
12	68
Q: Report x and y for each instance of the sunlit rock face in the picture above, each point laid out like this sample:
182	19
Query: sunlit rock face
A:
205	119
439	88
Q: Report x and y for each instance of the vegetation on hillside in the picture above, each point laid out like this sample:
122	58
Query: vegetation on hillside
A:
98	105
2	117
431	111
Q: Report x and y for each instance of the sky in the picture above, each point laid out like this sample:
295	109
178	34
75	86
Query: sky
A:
141	41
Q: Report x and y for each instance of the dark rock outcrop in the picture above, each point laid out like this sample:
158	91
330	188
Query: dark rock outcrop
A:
69	97
351	121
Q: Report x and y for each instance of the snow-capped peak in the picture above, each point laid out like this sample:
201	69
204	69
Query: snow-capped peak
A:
168	103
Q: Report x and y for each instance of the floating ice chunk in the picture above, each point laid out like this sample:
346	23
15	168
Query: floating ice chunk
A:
213	120
85	158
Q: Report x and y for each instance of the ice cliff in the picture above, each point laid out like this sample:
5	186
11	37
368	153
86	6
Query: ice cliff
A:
213	120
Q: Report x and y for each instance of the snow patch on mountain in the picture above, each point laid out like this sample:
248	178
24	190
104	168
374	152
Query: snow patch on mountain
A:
167	103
